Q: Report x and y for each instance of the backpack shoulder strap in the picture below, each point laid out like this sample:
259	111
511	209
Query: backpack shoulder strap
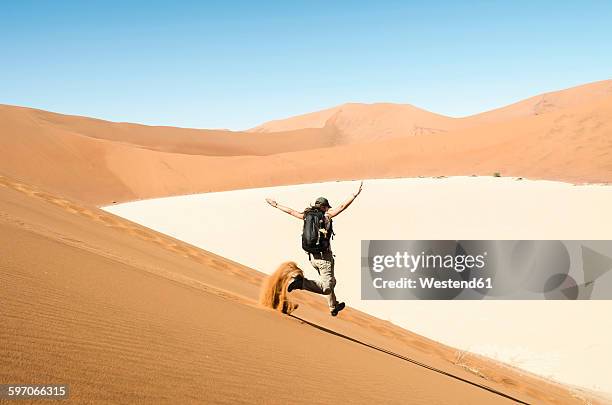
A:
331	227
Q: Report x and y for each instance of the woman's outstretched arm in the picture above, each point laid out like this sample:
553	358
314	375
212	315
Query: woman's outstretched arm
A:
337	210
288	210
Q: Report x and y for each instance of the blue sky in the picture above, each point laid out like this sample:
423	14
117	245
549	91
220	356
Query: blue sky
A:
235	64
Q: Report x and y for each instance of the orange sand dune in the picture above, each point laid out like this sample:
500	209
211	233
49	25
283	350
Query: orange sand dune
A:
381	120
559	136
569	145
546	103
79	156
367	122
315	119
125	314
203	142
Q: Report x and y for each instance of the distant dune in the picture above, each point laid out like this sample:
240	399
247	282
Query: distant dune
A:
367	122
563	135
386	119
547	103
316	119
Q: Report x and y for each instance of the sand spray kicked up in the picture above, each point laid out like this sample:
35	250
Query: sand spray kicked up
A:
273	292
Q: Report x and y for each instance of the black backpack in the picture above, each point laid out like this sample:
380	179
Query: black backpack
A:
314	241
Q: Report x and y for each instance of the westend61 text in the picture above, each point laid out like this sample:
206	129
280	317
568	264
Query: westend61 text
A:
430	282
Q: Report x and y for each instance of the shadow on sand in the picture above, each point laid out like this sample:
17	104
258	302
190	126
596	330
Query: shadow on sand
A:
399	356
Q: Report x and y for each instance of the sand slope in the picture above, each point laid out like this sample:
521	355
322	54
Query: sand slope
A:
424	209
561	136
77	153
367	122
387	119
546	103
123	313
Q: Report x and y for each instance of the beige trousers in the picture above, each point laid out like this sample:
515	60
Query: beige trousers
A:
324	264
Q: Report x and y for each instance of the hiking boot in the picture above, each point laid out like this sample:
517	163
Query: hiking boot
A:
339	307
296	284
